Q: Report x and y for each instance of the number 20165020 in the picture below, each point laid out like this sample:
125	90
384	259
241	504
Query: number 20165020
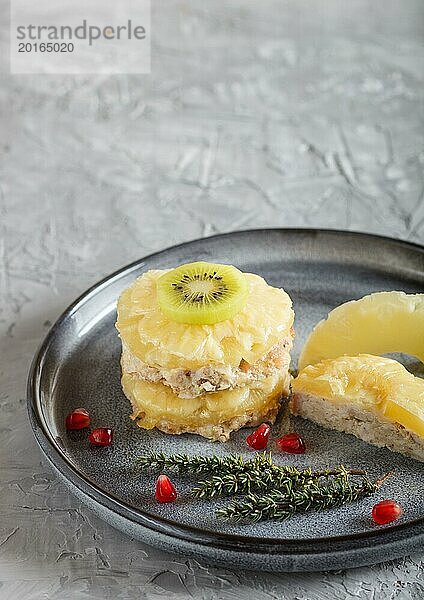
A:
45	47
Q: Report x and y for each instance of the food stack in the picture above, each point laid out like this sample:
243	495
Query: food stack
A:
205	349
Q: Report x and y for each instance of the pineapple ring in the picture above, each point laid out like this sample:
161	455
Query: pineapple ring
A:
376	324
158	341
155	404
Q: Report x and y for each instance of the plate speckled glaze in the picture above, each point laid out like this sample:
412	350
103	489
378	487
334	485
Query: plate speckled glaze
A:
78	365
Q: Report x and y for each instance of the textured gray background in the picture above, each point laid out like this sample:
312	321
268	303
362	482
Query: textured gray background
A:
296	113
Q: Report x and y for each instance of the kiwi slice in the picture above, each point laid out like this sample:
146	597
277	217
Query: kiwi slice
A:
202	293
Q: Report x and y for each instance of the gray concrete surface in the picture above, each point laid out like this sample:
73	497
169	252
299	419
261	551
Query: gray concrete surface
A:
289	113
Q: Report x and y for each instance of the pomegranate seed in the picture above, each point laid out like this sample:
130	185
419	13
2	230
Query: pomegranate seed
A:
386	511
258	440
165	491
78	419
101	437
292	443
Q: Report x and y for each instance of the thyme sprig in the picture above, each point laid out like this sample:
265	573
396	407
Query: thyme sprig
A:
280	505
198	465
273	477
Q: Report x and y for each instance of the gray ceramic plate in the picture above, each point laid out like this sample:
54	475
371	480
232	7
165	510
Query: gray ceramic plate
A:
78	365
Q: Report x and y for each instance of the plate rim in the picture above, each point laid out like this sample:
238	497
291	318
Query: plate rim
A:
165	525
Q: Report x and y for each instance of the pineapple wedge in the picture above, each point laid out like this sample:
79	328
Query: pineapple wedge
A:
377	324
372	397
152	337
